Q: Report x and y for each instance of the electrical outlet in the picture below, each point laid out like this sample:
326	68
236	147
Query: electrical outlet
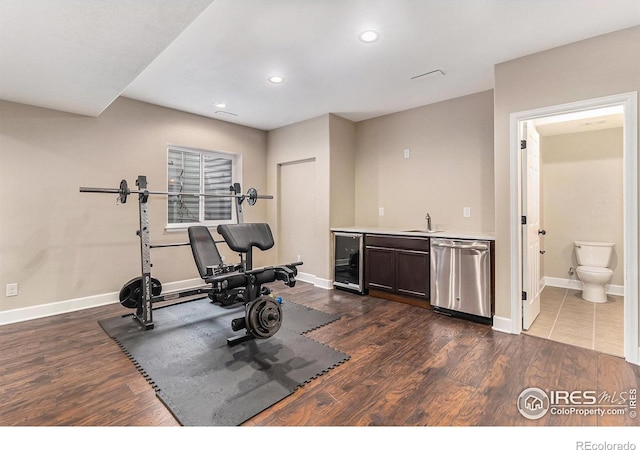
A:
299	258
466	211
12	289
381	211
407	152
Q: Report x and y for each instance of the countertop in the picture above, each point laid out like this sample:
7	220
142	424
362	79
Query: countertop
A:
446	234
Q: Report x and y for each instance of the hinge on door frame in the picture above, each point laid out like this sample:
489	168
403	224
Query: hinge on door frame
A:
523	144
523	220
524	296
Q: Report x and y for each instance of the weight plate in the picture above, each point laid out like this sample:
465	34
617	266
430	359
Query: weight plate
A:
252	196
224	298
263	318
131	292
123	192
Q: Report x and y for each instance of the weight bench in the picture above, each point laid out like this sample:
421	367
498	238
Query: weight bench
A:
209	264
263	315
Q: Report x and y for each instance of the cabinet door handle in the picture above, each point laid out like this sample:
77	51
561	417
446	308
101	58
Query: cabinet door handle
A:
462	246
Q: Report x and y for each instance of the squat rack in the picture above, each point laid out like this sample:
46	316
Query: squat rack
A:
144	307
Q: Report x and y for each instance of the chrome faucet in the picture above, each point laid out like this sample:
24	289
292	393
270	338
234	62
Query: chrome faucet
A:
428	217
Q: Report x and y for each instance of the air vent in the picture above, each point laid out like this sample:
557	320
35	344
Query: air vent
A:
431	74
226	112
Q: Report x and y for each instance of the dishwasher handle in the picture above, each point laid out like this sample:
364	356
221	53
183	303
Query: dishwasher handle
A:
460	245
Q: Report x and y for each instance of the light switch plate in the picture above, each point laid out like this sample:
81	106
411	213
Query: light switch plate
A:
12	289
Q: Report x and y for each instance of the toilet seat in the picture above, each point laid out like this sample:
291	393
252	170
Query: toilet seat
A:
595	270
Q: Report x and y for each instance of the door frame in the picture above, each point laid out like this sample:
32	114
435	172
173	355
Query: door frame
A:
629	103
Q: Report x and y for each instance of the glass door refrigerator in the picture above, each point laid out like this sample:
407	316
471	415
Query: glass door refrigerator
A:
348	273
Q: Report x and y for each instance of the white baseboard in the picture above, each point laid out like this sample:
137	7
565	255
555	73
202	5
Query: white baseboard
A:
502	324
611	289
78	304
316	281
52	309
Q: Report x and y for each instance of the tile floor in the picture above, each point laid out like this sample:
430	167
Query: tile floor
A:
566	317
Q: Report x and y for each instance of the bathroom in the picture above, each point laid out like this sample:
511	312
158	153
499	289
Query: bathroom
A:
581	199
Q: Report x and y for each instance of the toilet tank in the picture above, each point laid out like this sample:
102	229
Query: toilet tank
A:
596	254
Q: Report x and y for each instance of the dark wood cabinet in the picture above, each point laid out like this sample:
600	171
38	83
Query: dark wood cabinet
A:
380	268
412	273
397	265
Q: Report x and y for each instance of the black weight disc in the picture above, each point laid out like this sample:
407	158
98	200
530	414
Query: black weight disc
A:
252	196
263	318
131	292
123	192
224	298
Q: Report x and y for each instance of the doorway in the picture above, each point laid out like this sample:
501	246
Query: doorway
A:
581	199
521	265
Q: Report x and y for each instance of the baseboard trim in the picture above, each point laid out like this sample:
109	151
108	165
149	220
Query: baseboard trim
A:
316	281
53	309
78	304
611	289
502	324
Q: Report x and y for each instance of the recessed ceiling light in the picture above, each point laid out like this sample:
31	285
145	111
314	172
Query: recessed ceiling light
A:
276	79
220	105
369	36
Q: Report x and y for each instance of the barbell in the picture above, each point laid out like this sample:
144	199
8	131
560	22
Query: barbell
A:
123	192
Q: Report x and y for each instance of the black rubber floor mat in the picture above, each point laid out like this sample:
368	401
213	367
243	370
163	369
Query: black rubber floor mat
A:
303	319
205	382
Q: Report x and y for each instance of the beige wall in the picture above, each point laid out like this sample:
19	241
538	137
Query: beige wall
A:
582	194
450	166
329	141
605	65
307	140
342	138
297	239
59	244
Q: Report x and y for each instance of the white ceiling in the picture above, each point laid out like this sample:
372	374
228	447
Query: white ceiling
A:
581	121
80	55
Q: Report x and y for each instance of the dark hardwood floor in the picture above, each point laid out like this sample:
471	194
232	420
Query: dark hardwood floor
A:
409	366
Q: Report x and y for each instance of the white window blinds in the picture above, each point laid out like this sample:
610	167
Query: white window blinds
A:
193	171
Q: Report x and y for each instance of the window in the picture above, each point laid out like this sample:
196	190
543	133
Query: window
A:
199	171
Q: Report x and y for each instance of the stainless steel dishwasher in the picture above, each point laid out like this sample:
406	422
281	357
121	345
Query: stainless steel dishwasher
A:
461	278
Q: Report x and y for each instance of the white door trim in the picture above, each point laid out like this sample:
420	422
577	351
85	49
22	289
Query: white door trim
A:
629	101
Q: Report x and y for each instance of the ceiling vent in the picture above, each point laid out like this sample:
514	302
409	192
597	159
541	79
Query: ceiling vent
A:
431	74
226	112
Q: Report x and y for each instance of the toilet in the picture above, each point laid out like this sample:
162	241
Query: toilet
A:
593	261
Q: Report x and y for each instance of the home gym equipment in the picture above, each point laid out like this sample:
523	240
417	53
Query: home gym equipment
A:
229	283
123	193
263	315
